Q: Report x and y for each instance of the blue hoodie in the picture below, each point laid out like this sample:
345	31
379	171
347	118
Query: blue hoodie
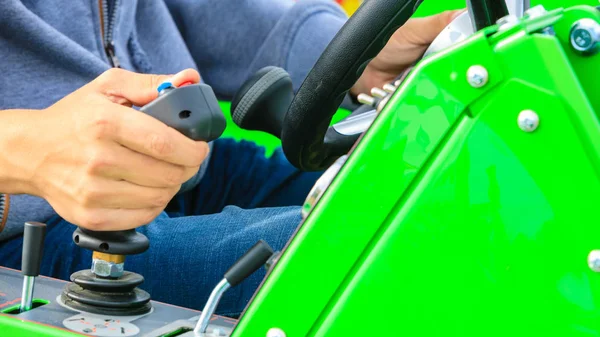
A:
50	48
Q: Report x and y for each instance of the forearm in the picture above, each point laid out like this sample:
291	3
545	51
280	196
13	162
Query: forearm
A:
16	150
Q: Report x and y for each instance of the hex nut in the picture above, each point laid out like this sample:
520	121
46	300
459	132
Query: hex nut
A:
107	269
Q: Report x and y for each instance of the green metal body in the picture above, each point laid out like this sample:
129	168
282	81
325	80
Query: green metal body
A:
447	219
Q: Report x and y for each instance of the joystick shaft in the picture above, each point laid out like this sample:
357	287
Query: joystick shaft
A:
33	249
254	258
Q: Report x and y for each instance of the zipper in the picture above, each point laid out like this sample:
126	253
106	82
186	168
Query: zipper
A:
109	18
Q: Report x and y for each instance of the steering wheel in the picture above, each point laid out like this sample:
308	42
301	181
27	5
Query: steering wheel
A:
302	122
342	63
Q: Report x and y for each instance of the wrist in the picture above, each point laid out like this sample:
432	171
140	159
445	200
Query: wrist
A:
18	147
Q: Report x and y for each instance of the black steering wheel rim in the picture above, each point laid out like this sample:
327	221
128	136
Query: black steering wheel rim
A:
342	63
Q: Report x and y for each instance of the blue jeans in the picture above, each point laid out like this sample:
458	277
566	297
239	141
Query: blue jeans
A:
242	198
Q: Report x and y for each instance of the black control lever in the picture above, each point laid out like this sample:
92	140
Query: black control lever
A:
33	250
254	258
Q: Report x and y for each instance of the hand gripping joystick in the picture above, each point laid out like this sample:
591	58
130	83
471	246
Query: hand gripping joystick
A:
107	288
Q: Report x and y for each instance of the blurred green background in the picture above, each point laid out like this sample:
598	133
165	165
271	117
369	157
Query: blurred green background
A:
429	7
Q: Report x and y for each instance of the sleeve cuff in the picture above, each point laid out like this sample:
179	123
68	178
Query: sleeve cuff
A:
23	208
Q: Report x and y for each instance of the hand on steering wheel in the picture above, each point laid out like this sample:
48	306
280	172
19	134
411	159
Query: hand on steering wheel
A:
404	47
369	47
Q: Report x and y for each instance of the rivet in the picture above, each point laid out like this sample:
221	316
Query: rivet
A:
594	260
528	120
275	332
477	76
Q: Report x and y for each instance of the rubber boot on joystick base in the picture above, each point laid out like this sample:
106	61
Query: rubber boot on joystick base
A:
107	288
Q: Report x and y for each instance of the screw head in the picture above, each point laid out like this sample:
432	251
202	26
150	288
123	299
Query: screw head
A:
594	260
275	332
528	120
477	76
536	11
585	35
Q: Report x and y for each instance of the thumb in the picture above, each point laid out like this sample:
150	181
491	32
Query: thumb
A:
130	88
422	31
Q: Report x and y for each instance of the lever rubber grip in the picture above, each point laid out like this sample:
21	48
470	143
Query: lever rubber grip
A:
254	258
33	248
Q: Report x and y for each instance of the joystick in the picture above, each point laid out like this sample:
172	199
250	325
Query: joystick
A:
192	110
254	258
33	249
107	288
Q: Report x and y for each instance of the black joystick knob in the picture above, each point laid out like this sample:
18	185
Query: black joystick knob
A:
128	242
107	288
254	258
33	250
263	101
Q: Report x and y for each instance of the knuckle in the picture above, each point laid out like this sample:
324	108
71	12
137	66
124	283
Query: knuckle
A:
160	145
89	193
108	76
90	220
98	161
102	127
150	215
155	80
175	175
90	196
162	199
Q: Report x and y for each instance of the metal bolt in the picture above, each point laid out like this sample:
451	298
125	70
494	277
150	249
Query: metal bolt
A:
107	269
528	120
477	76
585	35
594	260
275	332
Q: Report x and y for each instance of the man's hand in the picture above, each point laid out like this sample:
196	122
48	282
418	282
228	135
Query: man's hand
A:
105	166
405	47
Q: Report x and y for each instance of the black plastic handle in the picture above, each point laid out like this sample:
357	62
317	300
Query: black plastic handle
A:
337	70
127	242
254	258
192	110
33	248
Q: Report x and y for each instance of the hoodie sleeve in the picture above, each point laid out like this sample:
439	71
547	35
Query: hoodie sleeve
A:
232	39
15	210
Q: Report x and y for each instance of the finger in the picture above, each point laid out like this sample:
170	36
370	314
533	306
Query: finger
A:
422	31
147	135
117	219
129	88
108	193
121	163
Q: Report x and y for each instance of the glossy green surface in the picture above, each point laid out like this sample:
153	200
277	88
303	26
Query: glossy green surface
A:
13	327
448	219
